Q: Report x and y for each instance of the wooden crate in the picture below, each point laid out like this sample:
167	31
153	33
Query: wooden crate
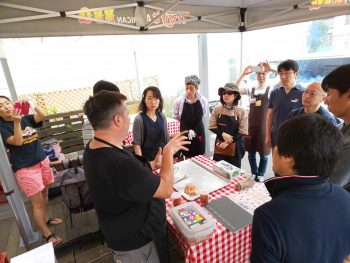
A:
66	128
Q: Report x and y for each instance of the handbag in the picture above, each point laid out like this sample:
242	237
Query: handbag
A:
230	150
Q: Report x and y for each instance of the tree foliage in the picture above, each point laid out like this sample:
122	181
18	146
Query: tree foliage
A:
318	35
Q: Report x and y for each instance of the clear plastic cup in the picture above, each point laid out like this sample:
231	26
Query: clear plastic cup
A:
204	197
176	197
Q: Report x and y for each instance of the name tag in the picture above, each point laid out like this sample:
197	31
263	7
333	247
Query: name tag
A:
258	103
252	100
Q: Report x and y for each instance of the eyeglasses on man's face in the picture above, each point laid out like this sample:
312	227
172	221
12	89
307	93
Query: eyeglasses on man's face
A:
311	93
287	74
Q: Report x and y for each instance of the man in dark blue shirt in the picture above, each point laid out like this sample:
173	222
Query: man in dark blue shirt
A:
308	218
337	86
312	98
283	99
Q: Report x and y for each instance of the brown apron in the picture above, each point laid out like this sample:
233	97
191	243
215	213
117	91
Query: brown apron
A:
257	122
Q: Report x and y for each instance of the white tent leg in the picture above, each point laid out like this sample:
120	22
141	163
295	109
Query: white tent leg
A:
8	78
203	75
15	200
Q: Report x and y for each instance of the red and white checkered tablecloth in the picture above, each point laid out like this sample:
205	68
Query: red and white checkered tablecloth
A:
223	246
173	128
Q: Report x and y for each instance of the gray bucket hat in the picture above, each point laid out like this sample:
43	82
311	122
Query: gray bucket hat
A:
229	86
192	79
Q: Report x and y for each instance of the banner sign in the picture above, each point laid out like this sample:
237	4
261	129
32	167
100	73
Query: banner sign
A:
168	19
316	4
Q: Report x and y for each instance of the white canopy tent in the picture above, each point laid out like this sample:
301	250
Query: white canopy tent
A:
36	18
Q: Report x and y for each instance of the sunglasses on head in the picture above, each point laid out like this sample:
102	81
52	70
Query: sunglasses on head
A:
228	92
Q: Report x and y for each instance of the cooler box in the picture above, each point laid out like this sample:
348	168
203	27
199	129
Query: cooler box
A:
194	223
226	169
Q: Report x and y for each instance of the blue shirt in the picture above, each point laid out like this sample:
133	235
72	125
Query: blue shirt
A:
322	111
30	152
282	104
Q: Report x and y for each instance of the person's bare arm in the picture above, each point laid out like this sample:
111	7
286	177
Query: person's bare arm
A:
267	68
269	117
246	72
157	162
39	114
16	138
165	189
137	149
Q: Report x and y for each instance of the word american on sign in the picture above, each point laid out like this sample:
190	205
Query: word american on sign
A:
168	19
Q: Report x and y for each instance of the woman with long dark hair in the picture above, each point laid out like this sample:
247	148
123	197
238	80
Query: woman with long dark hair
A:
150	126
229	122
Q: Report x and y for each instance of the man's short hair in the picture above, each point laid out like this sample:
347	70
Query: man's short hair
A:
313	142
101	108
288	64
338	79
104	85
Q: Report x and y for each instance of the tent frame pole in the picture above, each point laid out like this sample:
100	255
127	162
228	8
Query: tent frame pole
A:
15	200
203	75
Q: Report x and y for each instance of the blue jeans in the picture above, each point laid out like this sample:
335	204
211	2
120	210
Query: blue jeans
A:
259	171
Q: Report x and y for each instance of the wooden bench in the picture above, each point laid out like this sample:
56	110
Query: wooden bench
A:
66	128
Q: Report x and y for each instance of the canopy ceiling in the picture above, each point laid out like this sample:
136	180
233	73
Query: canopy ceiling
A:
32	18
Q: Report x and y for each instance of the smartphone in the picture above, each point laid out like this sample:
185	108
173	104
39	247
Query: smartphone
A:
18	106
23	107
257	69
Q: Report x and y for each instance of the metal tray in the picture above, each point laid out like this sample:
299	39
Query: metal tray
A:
191	172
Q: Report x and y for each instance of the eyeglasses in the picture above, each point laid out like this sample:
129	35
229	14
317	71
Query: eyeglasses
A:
287	74
311	93
228	92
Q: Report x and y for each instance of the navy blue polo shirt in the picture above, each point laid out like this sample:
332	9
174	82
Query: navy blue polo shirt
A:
282	104
322	111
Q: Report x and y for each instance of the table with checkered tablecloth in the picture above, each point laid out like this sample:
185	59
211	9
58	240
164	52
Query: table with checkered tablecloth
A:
172	125
223	246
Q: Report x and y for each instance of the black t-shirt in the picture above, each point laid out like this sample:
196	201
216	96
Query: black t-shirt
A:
31	151
122	188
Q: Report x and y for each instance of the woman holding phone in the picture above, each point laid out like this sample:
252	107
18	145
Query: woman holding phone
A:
29	162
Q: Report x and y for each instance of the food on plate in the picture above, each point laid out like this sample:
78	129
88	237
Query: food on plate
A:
191	189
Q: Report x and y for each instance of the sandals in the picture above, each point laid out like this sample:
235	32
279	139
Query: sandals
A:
56	240
53	221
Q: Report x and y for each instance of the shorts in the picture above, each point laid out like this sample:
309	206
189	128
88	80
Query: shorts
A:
33	180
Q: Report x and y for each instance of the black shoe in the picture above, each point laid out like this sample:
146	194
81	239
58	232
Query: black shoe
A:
259	179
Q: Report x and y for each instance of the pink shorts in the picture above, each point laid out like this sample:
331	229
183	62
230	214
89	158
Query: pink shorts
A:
33	180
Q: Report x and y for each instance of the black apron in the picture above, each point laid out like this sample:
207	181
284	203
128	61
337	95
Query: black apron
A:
191	119
155	224
257	122
153	136
230	125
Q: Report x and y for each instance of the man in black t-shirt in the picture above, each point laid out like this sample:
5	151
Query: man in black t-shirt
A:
128	197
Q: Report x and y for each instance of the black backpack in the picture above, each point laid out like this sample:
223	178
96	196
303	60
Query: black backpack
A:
75	189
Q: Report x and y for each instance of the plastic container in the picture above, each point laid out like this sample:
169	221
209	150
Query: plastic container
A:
226	169
193	222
